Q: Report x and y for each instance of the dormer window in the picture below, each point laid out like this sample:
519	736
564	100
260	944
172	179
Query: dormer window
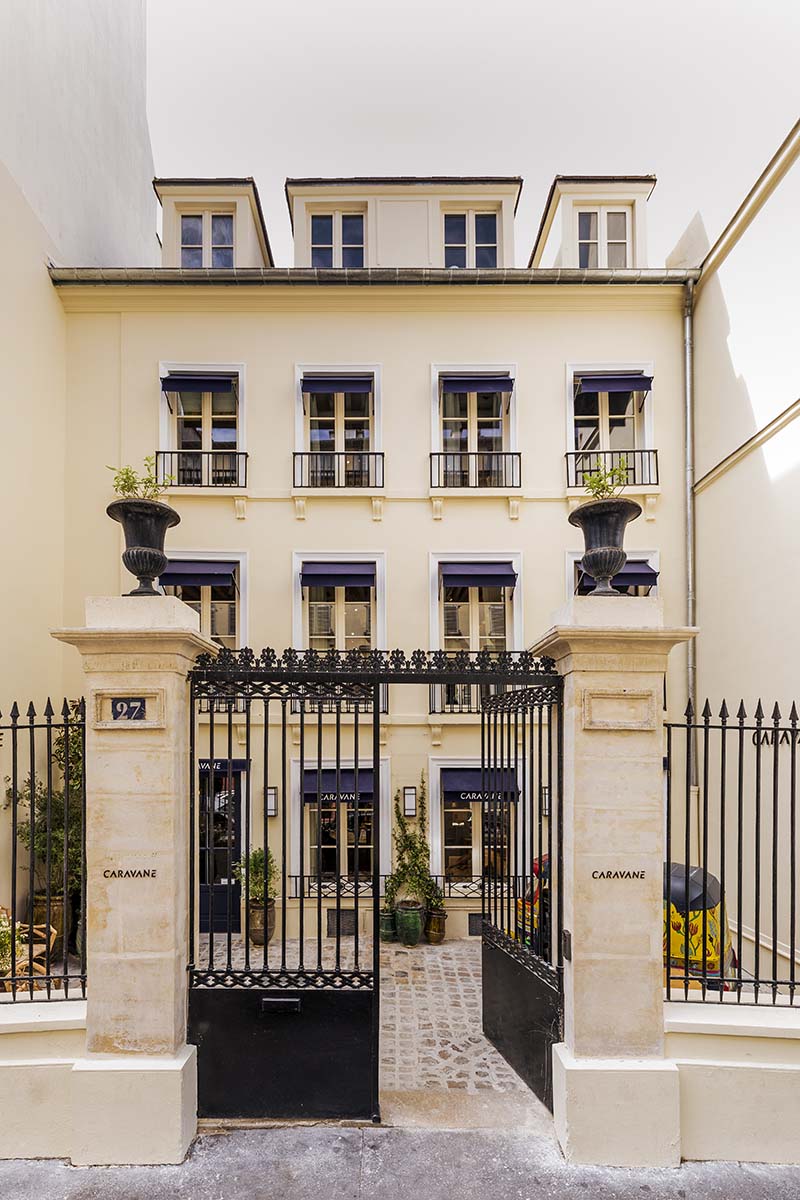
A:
337	239
206	240
604	238
470	239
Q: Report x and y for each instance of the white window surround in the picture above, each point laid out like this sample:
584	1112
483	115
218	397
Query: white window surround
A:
337	210
241	557
373	369
166	425
514	635
610	368
439	369
384	805
436	764
651	557
470	209
378	557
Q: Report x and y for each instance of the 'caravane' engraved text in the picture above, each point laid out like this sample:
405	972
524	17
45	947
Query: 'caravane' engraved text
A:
618	874
129	873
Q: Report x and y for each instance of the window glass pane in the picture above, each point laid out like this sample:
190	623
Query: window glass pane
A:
353	257
223	404
357	404
321	404
616	225
455	614
455	256
322	230
454	437
621	421
587	436
189	593
454	404
489	404
223	622
321	257
221	258
455	229
321	622
617	256
492	625
222	230
191	260
457	823
325	594
190	434
360	595
620	404
491	595
322	437
587	227
485	229
191	231
356	435
191	404
357	619
352	229
485	256
223	435
587	255
587	404
322	834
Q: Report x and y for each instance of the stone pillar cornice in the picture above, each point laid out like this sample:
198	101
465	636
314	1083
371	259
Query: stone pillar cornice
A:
600	647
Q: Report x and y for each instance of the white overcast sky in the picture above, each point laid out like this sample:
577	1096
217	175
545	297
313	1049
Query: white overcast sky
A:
701	93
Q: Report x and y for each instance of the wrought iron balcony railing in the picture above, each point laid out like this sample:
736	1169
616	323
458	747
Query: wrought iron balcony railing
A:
479	470
202	468
348	469
641	466
461	697
455	887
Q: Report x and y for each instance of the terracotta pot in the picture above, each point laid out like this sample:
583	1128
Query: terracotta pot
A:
409	920
434	926
145	524
603	523
257	921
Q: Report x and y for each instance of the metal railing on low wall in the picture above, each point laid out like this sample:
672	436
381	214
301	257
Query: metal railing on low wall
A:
43	880
640	466
495	469
333	469
730	887
202	468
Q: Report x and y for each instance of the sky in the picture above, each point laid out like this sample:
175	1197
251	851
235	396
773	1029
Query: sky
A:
700	94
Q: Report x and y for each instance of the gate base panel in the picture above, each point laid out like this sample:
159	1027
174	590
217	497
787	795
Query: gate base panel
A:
283	1053
521	1017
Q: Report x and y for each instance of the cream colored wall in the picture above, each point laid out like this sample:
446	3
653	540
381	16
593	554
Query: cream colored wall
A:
404	225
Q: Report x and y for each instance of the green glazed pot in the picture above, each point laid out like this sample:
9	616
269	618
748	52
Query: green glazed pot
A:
410	921
388	932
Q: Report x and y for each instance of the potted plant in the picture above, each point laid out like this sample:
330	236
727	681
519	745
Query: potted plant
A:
144	520
57	816
411	879
603	520
9	931
256	885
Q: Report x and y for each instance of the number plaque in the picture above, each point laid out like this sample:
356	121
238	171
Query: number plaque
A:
129	708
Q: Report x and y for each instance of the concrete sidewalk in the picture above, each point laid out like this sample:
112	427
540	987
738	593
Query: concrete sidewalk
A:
333	1163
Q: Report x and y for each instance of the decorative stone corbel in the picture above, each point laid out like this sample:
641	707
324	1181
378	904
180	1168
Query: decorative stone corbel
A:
650	503
377	508
240	507
437	504
300	508
513	508
436	735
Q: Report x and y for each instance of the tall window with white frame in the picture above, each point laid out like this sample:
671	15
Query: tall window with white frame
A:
217	605
337	239
604	238
475	836
339	440
340	617
609	432
472	618
206	240
470	239
474	432
205	435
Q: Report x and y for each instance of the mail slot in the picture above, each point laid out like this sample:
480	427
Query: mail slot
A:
277	1004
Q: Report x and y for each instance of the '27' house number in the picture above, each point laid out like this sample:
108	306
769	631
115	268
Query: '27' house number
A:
128	708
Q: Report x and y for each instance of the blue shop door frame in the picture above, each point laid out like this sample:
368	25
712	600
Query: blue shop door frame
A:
220	845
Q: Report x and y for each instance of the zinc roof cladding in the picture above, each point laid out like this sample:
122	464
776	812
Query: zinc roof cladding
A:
398	181
220	181
599	179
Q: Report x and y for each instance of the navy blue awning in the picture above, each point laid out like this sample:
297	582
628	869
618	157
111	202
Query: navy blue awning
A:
346	792
635	573
198	574
615	383
478	574
338	574
466	784
221	766
337	383
477	383
197	383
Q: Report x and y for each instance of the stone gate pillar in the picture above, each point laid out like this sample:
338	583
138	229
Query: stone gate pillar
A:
134	1096
615	1097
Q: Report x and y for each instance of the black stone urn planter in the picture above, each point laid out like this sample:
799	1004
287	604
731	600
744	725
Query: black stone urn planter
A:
145	524
603	525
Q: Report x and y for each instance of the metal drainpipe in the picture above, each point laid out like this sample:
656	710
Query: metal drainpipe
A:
691	599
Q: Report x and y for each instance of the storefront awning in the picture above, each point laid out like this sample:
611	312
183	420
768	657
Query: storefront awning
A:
198	573
476	383
197	383
470	785
338	574
635	573
346	791
326	384
478	574
615	383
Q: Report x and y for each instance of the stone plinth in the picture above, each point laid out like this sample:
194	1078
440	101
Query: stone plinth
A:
612	652
137	652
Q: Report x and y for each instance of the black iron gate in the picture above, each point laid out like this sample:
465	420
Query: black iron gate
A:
285	1009
521	757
